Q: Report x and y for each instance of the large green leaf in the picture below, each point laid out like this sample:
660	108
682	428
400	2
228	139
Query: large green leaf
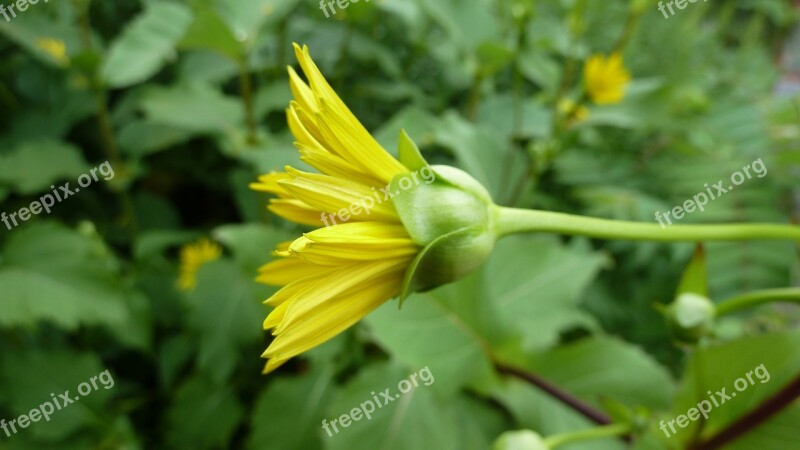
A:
226	314
533	409
51	273
583	369
426	332
203	415
192	107
412	421
146	44
36	164
209	32
30	377
288	413
728	365
537	284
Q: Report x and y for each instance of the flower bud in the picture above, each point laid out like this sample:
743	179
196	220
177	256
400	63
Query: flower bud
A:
690	317
451	219
520	440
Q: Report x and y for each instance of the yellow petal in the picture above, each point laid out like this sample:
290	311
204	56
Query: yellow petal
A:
286	270
296	211
331	194
333	317
314	296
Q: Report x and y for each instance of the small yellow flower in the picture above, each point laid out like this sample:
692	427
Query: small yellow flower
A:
56	48
192	257
606	78
572	110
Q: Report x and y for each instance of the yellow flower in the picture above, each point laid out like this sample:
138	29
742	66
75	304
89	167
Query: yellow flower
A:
606	78
572	110
192	257
333	276
55	48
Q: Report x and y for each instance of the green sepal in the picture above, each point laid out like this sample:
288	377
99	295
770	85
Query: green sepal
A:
443	260
695	277
409	153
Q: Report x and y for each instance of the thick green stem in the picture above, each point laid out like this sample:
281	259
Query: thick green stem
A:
511	220
586	435
756	298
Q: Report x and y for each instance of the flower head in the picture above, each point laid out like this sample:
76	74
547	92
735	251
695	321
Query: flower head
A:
55	48
192	257
690	317
365	254
573	111
606	78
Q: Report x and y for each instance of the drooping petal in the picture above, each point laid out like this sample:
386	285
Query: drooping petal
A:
333	317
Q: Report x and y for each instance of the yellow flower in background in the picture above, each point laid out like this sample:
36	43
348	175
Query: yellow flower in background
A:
333	276
606	78
572	110
192	257
56	48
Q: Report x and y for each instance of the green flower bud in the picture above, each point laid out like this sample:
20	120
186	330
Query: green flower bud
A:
452	219
451	216
690	317
519	440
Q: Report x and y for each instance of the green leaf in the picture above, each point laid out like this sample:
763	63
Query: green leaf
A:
288	413
193	107
534	409
723	366
146	44
226	314
582	368
52	273
246	18
203	415
34	374
140	138
209	32
252	243
537	284
493	57
34	165
411	421
540	68
426	332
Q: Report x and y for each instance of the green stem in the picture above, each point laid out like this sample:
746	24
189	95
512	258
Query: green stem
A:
756	298
585	435
512	220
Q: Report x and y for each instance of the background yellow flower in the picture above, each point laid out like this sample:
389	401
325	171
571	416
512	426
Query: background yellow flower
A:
606	78
192	257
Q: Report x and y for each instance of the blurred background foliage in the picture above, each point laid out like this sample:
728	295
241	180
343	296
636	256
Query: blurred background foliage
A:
185	99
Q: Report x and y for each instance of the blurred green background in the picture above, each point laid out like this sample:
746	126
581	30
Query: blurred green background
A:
185	100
